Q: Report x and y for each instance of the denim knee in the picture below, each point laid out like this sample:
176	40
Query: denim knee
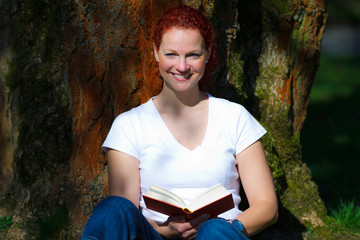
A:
219	229
212	226
116	202
111	217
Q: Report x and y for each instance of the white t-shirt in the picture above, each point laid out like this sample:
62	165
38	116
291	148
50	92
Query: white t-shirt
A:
142	133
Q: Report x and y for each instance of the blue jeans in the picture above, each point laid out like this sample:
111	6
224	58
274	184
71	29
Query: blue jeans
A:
116	218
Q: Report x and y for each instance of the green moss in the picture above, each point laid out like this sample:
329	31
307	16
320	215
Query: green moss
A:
265	81
236	73
298	193
274	162
209	9
42	98
332	231
299	36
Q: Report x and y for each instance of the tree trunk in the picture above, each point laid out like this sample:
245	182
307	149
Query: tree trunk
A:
70	67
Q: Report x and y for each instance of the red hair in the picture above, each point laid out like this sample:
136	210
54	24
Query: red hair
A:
189	18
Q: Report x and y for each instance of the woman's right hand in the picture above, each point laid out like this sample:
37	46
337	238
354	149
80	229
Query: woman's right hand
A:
176	227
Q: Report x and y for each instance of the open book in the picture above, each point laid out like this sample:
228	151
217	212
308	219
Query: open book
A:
213	201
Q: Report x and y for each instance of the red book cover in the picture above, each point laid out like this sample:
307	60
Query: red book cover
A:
214	208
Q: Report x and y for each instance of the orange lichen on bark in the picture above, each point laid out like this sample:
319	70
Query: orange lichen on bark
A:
300	43
284	90
98	76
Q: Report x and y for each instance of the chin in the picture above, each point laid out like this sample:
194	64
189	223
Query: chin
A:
182	87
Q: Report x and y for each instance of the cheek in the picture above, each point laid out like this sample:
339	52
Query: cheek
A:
164	65
200	66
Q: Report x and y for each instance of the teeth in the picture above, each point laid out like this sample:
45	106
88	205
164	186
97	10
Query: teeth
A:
182	76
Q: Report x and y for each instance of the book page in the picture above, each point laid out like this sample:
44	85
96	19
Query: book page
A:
165	195
209	195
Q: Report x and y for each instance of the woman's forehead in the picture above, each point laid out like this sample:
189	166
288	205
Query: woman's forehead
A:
174	36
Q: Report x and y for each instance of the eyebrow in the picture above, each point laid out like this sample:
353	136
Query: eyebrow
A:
198	51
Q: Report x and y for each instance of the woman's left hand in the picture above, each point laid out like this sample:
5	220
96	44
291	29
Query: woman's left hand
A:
178	228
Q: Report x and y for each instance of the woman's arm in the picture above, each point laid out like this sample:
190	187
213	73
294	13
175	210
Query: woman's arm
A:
258	185
124	176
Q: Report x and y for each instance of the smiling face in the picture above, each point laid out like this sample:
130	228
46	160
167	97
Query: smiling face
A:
182	56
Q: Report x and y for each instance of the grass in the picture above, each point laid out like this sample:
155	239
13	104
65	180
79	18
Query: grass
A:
331	136
347	215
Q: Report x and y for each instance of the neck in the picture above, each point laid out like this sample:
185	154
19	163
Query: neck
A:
179	101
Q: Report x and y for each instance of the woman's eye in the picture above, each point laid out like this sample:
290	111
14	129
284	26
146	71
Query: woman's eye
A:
194	55
170	54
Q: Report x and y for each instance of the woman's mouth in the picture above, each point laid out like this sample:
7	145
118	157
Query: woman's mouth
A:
181	77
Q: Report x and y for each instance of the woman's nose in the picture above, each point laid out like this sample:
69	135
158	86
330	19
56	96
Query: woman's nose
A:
182	65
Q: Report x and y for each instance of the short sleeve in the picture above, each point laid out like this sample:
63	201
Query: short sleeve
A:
122	136
248	129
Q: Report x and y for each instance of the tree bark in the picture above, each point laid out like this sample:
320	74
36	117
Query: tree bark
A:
76	65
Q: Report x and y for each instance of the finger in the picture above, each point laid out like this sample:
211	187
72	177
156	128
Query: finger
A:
193	236
190	234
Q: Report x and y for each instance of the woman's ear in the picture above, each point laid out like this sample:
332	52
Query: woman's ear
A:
156	53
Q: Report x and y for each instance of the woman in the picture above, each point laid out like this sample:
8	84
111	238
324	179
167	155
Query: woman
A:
184	140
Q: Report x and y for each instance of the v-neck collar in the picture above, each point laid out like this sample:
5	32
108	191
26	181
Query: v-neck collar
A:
166	134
